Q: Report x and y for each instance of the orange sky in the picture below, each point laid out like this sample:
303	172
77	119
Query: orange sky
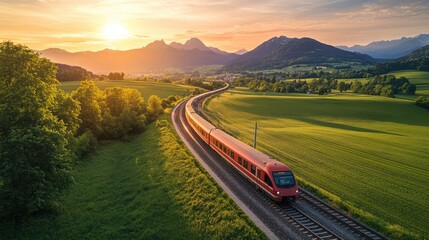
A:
78	25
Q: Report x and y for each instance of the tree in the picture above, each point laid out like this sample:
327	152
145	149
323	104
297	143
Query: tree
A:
323	91
387	91
342	86
116	76
91	99
423	102
35	164
154	107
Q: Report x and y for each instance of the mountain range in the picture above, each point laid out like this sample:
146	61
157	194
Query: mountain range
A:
277	52
391	49
155	56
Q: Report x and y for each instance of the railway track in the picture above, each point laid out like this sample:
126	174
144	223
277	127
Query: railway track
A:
309	227
361	230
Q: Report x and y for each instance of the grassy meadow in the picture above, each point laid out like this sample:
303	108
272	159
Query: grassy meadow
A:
421	79
148	187
367	154
146	88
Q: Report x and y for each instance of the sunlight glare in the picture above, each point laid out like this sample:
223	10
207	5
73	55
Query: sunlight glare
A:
114	31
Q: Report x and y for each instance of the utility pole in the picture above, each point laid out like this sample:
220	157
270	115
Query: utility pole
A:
256	130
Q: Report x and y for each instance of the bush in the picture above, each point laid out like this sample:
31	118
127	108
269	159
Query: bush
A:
423	102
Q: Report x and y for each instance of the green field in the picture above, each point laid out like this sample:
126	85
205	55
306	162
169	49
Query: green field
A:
146	88
149	187
421	79
368	154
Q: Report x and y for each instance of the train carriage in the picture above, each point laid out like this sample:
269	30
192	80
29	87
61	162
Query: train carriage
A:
268	174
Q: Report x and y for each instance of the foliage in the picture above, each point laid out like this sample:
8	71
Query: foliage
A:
386	85
72	73
423	102
114	112
154	107
366	143
116	76
35	133
137	190
91	100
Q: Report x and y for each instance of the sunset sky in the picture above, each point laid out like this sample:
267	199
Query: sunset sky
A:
77	25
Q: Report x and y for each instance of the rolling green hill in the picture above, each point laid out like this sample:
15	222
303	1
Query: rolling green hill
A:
368	154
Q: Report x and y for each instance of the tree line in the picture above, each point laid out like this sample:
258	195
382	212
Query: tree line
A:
44	131
386	85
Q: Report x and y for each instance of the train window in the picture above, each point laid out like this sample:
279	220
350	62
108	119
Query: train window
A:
216	143
231	154
252	169
268	180
220	145
258	173
224	149
284	179
240	160
245	163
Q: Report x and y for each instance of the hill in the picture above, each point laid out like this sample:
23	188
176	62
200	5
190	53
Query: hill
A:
391	49
155	56
72	73
417	60
280	52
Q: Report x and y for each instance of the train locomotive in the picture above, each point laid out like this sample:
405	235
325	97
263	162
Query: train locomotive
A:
269	175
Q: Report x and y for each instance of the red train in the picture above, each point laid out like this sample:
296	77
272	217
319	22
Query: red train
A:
271	176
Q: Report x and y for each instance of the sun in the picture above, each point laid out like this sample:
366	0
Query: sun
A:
114	31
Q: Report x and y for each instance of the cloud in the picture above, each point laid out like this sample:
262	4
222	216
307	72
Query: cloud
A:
228	24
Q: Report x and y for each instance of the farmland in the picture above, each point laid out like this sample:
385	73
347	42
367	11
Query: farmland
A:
367	154
146	88
142	188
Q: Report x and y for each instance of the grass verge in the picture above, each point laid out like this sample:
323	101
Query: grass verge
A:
149	187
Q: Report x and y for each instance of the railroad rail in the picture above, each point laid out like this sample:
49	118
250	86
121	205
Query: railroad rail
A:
305	224
358	228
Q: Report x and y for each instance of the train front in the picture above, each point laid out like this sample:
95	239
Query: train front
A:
284	184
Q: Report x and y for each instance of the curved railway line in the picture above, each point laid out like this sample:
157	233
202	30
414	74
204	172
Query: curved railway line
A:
281	221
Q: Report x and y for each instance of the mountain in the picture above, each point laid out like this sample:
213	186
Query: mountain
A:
391	49
417	60
280	52
241	51
195	43
155	56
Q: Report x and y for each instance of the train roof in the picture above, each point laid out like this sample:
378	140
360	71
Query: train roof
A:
259	158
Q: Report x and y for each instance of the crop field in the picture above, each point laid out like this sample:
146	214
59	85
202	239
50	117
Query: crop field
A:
367	154
148	187
146	88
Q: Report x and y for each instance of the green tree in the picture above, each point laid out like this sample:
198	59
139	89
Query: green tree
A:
423	102
387	91
154	107
91	100
35	164
342	86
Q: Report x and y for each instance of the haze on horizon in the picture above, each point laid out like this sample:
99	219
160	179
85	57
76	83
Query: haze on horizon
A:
227	24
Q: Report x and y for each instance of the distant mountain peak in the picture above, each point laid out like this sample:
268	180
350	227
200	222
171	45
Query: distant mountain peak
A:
195	43
241	51
157	43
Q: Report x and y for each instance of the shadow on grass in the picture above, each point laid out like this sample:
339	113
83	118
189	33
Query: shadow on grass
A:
342	126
